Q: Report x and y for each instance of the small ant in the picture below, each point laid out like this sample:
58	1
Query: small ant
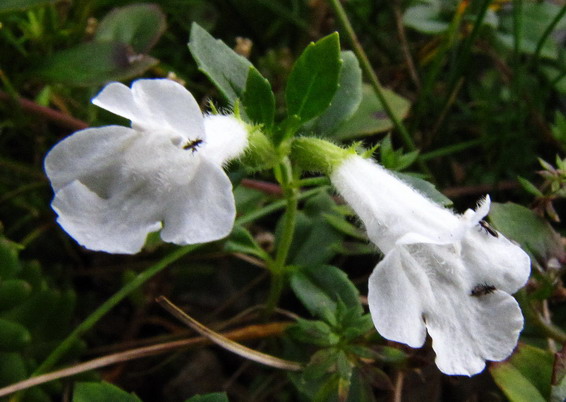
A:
488	228
482	290
193	144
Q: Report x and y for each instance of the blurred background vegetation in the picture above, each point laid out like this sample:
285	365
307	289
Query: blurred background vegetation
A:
480	85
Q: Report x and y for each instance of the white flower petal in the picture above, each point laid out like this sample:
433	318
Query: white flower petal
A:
116	225
114	185
388	207
474	217
170	106
495	260
118	99
226	138
394	298
473	329
432	282
451	275
94	153
203	211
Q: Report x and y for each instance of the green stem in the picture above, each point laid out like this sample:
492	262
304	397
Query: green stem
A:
286	237
370	73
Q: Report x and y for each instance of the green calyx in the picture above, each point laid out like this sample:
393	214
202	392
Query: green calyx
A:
260	153
317	155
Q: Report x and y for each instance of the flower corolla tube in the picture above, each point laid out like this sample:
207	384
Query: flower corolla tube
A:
451	275
114	185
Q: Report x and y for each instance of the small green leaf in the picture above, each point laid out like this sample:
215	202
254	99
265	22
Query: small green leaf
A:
258	99
529	187
138	25
226	69
94	63
341	224
313	332
21	5
525	377
13	336
320	363
320	287
212	397
9	261
425	18
241	241
346	100
313	80
13	292
531	231
101	392
370	118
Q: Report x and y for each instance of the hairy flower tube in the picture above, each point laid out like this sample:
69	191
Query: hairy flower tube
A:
450	275
114	185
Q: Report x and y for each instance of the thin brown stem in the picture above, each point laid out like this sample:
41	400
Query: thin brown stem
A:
59	118
249	332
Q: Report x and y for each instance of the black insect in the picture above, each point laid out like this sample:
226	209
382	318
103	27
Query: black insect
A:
193	144
482	289
488	228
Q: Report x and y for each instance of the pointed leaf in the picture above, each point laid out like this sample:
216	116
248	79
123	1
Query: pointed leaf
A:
94	63
314	79
346	100
525	377
258	99
370	118
320	287
138	25
227	70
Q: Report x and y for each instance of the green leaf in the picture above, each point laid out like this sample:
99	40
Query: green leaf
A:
313	80
425	19
13	336
529	187
94	63
226	69
346	100
320	363
525	377
12	368
13	292
258	99
320	287
212	397
138	25
424	187
370	117
241	241
531	231
21	5
101	392
9	261
313	332
341	224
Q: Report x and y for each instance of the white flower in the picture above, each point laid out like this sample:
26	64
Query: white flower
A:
450	275
113	185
